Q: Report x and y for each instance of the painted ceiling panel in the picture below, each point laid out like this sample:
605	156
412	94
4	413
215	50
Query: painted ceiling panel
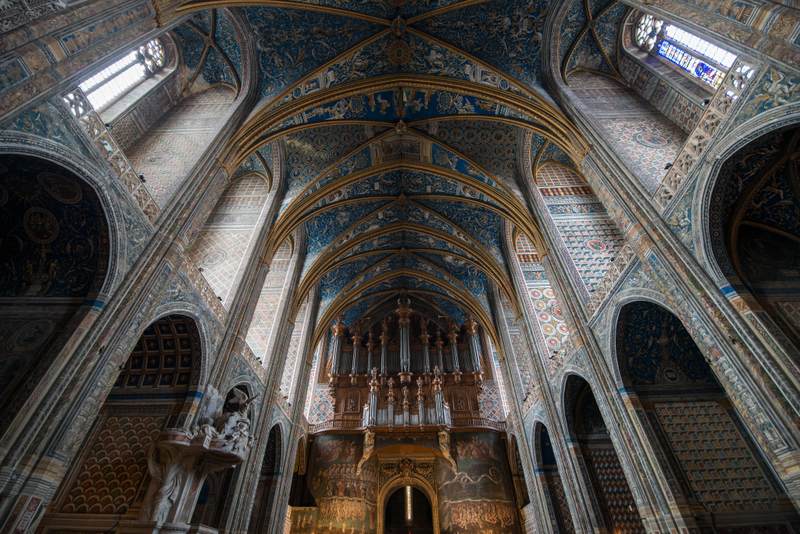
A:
324	228
553	153
492	145
372	8
424	108
292	43
225	36
408	182
407	104
607	27
469	275
481	224
309	152
574	22
190	43
504	33
335	280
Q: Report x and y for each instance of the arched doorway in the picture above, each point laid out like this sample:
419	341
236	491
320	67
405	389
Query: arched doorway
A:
754	229
109	479
261	517
550	476
717	467
408	510
54	256
604	474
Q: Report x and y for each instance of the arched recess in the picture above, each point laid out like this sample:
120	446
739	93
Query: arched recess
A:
517	474
54	261
542	300
221	247
300	495
401	516
589	65
109	478
753	231
604	475
207	85
589	235
717	466
547	468
263	517
398	483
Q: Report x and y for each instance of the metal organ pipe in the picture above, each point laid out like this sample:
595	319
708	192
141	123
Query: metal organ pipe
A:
336	346
425	338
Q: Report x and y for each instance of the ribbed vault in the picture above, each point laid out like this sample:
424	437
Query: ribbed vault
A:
400	124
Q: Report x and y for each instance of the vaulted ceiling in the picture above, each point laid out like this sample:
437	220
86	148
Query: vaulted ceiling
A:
402	123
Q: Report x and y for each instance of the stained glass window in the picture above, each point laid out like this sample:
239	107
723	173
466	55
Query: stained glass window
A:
108	85
696	56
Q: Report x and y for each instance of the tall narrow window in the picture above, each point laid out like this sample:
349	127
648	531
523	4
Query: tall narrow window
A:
108	85
695	56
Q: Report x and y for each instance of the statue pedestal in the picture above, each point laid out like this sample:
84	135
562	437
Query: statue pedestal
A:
179	465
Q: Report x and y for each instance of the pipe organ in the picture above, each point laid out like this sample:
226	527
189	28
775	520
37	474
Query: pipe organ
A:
429	371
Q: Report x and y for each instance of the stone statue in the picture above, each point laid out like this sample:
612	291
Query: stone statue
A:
226	421
166	475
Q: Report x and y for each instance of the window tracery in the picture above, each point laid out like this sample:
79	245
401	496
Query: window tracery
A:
695	56
111	83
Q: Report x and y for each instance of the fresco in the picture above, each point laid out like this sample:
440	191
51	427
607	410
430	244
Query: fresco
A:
346	499
478	497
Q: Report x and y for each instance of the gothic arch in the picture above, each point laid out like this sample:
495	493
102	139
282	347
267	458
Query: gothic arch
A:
154	390
56	262
549	473
756	298
205	328
391	485
777	118
689	416
602	471
19	144
262	517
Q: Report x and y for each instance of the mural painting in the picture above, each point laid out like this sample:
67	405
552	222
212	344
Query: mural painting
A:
478	496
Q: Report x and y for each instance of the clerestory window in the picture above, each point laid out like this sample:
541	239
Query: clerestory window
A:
695	56
111	83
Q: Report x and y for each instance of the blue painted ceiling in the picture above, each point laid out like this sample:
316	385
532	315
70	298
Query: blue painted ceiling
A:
400	124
